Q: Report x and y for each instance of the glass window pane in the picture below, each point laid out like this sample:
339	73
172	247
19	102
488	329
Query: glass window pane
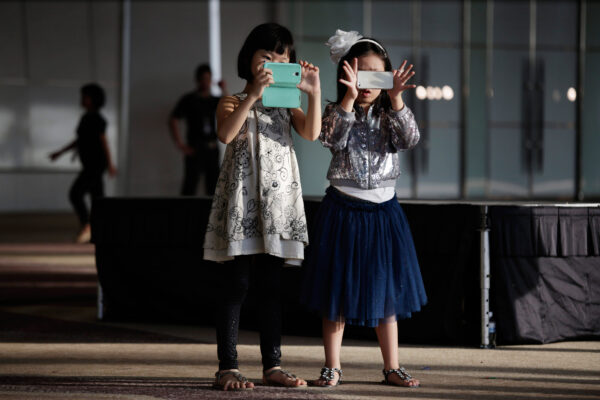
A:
590	127
508	177
557	23
404	181
441	21
440	178
592	24
511	23
559	86
322	18
557	175
510	81
440	70
391	20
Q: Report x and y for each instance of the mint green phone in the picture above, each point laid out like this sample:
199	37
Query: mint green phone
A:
283	93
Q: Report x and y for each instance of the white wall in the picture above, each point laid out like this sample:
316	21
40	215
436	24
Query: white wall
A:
168	40
48	51
237	20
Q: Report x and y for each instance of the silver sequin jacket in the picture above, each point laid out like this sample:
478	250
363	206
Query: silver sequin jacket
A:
365	148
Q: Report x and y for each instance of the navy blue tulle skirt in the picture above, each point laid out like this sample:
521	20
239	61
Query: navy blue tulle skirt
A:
362	265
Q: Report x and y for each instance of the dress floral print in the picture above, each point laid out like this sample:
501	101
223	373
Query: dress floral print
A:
258	205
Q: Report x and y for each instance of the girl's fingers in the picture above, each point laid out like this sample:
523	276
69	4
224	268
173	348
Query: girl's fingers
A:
349	74
408	72
402	66
355	65
407	77
349	84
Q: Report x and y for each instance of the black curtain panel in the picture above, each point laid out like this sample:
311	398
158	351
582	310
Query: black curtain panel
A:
545	273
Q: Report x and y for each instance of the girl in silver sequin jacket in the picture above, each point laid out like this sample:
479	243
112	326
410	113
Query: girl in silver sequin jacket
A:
365	147
364	129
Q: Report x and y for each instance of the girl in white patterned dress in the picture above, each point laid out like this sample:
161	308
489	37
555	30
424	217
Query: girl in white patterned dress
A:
257	218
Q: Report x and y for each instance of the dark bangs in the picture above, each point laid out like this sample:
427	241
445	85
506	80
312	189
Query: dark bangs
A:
358	50
270	37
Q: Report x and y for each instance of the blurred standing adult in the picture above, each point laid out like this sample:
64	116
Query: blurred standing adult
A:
201	153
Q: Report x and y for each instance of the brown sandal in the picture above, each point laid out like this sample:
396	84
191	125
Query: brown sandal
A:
401	372
270	382
240	378
328	375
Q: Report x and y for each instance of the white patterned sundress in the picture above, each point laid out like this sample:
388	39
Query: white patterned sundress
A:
258	205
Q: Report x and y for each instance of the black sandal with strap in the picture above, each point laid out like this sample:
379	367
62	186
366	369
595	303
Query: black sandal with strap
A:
328	375
270	382
401	372
240	378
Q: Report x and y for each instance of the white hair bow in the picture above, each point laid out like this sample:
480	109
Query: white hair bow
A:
340	43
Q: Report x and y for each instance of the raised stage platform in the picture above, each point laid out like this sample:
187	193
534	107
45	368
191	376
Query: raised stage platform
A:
543	277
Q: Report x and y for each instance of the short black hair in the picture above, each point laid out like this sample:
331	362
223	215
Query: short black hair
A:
201	70
95	93
360	49
269	37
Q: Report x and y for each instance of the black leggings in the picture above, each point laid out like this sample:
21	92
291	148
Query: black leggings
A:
86	182
234	283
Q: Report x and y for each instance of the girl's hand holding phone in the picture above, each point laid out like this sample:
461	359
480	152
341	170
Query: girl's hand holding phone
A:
351	75
310	83
262	80
401	76
351	81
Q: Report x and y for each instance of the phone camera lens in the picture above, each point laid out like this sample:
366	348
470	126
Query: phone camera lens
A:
296	73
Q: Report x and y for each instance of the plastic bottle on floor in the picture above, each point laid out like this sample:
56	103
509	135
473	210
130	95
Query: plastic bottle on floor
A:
492	331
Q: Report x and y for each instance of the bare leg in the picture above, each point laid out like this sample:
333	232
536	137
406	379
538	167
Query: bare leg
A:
387	334
333	333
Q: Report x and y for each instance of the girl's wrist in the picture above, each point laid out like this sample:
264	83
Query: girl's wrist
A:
314	94
251	98
350	97
347	105
397	102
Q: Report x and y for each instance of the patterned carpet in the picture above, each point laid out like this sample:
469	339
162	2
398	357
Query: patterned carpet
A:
32	272
153	388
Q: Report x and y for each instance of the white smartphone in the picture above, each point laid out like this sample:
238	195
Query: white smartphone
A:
375	80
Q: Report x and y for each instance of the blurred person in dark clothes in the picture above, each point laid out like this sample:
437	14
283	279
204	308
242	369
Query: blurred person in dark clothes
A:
200	149
92	147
